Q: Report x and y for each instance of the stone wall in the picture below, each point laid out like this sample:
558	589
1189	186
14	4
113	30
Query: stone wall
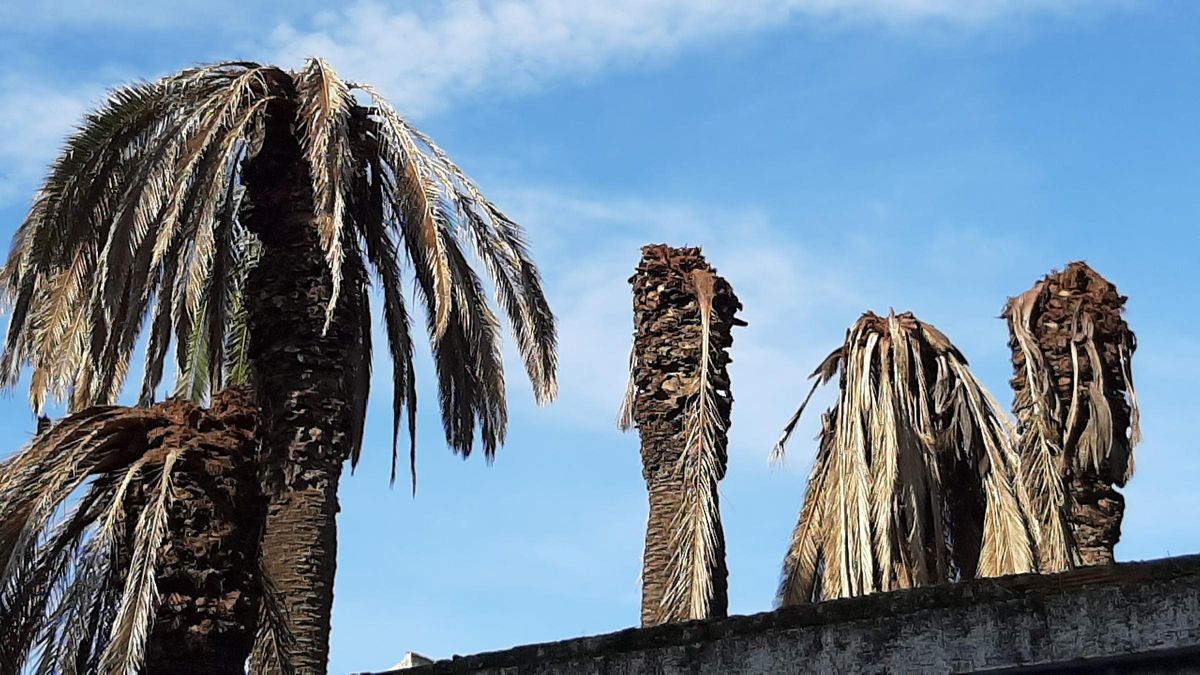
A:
1128	618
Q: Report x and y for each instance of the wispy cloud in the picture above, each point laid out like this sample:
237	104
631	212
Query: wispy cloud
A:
426	55
799	297
34	117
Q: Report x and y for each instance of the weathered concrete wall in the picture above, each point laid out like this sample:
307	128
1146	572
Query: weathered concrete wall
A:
1128	618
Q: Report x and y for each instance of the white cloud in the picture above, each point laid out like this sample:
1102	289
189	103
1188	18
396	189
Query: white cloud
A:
424	56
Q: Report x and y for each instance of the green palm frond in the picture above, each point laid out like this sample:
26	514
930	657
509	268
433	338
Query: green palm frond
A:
915	480
137	228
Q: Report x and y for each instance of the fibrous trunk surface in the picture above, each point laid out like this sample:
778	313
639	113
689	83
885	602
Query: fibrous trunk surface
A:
155	566
1077	409
680	402
208	581
303	375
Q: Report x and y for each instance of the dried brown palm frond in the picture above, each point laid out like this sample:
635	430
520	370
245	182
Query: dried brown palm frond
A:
679	398
915	479
695	534
139	223
1077	411
108	506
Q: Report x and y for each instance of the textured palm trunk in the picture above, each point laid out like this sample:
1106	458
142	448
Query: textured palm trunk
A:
1074	399
303	376
663	486
207	576
664	380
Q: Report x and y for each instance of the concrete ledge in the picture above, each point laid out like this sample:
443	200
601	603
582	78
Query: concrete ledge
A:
1139	617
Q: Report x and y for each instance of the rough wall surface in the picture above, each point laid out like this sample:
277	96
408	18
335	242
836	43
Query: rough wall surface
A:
1127	618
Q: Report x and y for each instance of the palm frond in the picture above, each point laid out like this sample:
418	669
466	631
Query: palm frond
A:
274	643
131	624
629	400
324	118
413	197
38	559
381	251
136	228
470	368
695	532
500	243
801	578
1074	397
145	170
915	480
79	591
237	349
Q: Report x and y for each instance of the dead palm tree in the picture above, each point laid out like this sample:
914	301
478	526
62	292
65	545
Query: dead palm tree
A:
235	210
680	400
156	563
1077	411
915	479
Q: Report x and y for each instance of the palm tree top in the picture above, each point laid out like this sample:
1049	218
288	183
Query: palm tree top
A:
137	226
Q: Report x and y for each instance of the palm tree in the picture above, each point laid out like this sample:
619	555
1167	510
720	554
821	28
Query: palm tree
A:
237	210
1077	411
915	479
156	564
680	400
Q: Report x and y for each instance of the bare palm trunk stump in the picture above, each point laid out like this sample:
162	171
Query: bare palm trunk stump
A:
1077	409
675	294
208	573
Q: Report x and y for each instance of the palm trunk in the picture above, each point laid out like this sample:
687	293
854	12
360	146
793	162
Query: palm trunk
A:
1074	399
1095	519
302	375
665	380
664	488
207	576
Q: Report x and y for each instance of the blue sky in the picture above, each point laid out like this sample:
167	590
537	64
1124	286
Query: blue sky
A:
831	156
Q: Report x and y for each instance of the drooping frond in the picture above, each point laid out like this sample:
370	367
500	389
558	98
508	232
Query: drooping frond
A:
915	480
78	576
324	118
679	397
500	243
132	223
452	205
274	643
413	196
695	533
138	228
416	201
629	400
41	557
1073	396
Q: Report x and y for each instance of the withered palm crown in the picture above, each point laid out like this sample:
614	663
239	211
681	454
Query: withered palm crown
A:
137	227
915	480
